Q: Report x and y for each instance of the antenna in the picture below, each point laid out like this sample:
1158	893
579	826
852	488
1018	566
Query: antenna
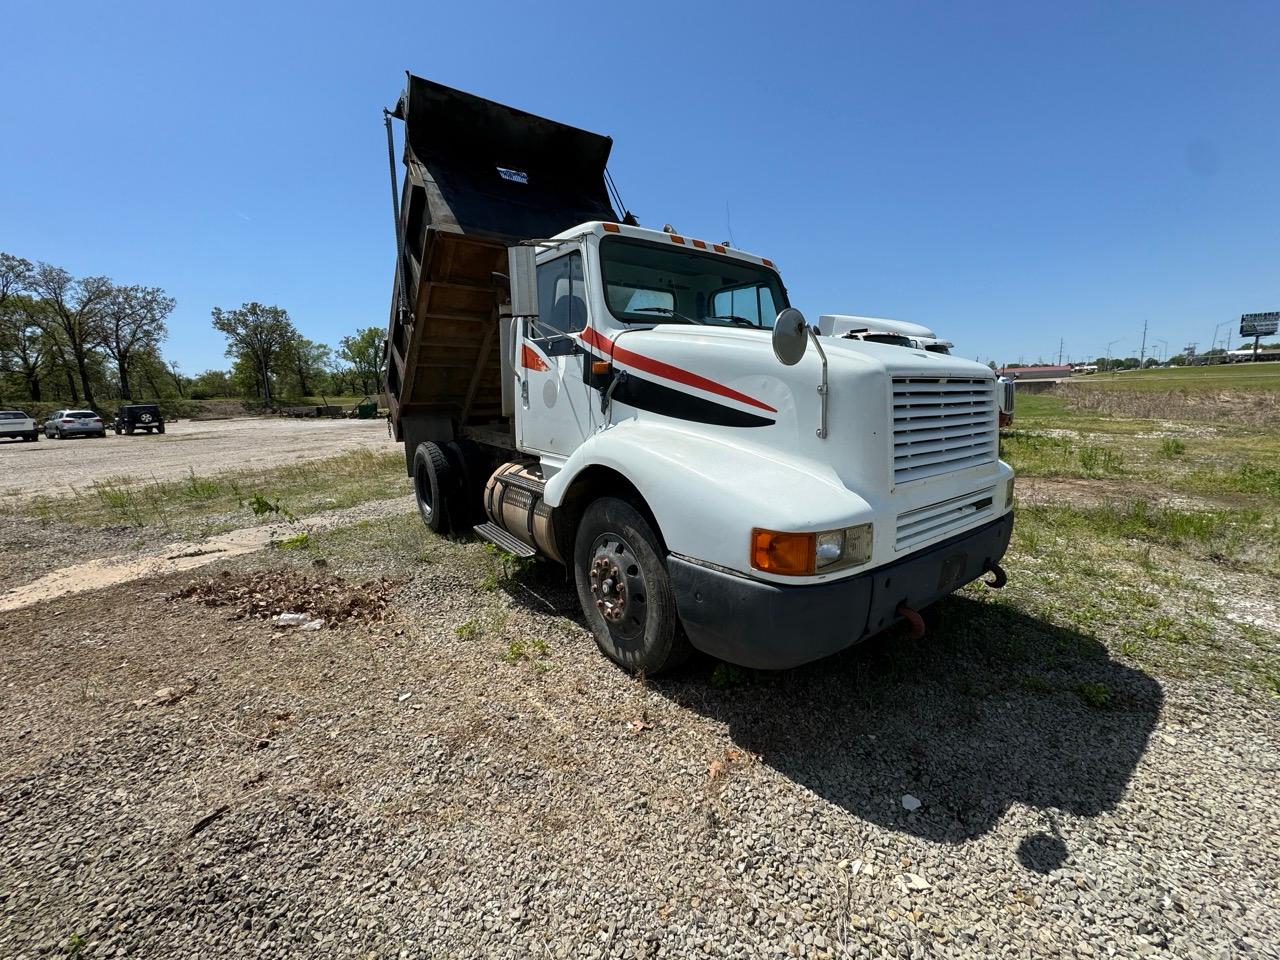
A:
728	222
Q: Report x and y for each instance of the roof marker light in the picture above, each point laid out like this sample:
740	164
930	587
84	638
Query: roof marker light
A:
699	244
611	228
718	247
676	238
766	261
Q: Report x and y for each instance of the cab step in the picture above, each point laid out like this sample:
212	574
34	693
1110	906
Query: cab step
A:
504	541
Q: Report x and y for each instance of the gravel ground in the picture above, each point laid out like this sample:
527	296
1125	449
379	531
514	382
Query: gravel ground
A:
468	778
209	446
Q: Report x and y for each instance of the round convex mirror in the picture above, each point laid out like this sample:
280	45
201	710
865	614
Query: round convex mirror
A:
790	336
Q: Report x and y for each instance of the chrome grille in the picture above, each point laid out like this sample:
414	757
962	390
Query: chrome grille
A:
942	424
942	519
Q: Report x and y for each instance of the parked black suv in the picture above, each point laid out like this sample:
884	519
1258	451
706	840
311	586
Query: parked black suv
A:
139	416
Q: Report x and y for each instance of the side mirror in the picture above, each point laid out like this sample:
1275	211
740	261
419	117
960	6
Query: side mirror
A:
790	336
523	273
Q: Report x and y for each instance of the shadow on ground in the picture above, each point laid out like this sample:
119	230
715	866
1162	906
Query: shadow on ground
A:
992	708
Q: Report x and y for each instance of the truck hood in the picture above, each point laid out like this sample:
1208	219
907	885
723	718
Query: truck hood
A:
853	355
727	382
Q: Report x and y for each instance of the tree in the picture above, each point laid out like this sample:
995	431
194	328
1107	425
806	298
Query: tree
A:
211	383
73	318
307	362
364	353
23	346
172	367
133	322
258	337
15	276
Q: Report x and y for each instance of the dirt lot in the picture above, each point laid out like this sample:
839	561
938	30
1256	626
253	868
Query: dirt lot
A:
1081	765
50	466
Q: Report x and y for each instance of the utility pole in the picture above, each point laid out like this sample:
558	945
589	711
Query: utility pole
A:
1059	351
1142	355
1109	346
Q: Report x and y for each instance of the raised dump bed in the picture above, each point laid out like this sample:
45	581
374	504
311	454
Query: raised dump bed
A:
479	177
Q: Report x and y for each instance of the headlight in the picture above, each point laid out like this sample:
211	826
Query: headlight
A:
801	554
830	548
857	544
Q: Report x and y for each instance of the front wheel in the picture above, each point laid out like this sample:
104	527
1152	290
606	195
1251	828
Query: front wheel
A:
624	589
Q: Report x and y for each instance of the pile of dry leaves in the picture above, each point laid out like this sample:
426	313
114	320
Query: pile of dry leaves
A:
265	594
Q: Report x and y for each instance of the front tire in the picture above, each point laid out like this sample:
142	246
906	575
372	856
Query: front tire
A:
624	589
433	483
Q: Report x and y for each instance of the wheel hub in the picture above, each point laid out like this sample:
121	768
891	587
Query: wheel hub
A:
618	587
609	589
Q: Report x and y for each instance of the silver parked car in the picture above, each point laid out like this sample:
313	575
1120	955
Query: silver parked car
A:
74	423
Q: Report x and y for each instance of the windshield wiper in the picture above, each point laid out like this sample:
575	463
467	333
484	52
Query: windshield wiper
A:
734	319
668	312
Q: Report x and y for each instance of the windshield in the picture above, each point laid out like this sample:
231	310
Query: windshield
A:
654	283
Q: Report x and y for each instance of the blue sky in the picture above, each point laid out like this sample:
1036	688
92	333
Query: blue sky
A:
1008	173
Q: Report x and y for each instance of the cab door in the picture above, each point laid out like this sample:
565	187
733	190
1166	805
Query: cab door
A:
555	415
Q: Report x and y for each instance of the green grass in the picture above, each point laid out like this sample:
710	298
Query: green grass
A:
1208	379
1146	583
200	505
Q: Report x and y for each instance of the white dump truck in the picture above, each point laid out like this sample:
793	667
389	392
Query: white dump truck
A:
646	408
883	330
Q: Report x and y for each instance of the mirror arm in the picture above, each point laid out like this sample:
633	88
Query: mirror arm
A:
822	387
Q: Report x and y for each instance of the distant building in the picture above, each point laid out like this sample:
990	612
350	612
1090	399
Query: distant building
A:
1036	373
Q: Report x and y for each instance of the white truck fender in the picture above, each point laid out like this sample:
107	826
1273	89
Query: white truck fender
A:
708	494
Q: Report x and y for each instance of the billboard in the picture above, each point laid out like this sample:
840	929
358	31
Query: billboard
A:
1259	324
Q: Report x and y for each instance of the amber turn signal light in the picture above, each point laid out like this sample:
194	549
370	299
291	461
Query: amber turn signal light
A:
600	367
791	554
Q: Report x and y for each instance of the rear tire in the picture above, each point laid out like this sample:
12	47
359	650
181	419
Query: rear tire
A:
626	595
433	485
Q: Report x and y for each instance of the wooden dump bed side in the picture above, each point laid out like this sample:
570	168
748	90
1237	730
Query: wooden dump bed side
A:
479	177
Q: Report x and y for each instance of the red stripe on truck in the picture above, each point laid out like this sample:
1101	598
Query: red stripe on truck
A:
666	370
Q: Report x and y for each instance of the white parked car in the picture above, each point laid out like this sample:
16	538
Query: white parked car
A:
16	425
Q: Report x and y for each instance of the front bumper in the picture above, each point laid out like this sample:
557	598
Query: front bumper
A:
773	627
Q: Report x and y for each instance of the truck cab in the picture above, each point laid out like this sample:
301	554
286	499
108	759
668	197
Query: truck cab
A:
647	408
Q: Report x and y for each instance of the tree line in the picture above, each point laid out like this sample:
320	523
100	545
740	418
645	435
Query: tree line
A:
84	340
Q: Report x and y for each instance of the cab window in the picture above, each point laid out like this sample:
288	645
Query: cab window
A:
562	297
752	303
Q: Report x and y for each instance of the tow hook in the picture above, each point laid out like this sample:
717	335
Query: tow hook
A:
914	619
998	577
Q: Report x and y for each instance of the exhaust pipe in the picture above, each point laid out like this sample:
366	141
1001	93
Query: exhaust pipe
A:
914	619
998	577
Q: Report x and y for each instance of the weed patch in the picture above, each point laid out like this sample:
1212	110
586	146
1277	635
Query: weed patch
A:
1096	695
